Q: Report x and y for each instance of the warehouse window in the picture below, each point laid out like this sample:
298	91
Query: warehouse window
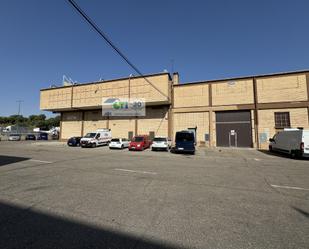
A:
282	120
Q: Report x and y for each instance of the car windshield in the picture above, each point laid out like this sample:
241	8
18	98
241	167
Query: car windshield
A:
138	139
14	135
184	136
115	140
90	135
159	139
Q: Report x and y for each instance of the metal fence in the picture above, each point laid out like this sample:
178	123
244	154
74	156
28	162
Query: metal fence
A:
4	136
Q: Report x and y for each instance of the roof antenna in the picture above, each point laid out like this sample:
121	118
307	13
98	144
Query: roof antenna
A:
172	66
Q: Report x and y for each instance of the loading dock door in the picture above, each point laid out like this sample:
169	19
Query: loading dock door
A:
233	129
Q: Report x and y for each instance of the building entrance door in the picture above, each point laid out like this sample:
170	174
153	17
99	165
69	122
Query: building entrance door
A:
233	138
233	129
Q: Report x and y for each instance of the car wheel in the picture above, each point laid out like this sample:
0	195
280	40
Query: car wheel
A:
293	154
122	146
270	148
94	145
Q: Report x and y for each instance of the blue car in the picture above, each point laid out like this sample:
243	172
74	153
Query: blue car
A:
74	141
184	142
42	136
30	137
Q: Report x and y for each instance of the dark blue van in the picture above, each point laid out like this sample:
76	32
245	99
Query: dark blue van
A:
184	142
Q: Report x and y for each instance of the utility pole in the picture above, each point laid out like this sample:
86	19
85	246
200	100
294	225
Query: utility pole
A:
19	105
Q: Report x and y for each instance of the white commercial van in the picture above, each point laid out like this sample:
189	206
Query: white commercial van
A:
96	138
294	142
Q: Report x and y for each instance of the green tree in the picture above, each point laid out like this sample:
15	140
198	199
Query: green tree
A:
37	120
32	121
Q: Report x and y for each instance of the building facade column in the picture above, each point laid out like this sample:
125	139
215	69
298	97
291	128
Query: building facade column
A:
307	84
60	133
210	113
83	119
136	126
256	114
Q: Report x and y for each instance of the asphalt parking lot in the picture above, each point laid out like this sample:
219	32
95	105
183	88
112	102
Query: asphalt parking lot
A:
54	196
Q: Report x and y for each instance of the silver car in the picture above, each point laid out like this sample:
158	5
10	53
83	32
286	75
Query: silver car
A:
15	137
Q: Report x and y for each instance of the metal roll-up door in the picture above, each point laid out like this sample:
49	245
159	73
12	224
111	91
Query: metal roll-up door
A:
233	129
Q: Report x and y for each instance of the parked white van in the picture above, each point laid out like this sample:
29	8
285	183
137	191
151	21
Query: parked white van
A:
294	142
96	138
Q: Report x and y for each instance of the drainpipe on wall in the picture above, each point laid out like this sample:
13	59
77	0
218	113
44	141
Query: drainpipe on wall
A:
136	126
129	91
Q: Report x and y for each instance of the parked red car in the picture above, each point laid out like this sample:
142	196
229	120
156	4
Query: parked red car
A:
140	142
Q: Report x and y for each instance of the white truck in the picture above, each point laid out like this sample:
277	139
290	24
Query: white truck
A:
96	138
294	142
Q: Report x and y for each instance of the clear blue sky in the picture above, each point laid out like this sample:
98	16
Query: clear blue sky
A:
42	40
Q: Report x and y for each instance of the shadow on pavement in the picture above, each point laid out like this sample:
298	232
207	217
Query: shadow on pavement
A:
274	154
303	212
282	155
25	228
4	160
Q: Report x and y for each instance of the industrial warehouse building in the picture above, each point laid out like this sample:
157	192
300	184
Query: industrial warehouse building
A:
240	112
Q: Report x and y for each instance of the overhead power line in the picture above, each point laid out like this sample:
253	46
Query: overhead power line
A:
105	37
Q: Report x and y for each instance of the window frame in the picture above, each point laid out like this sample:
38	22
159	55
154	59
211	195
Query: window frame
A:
282	120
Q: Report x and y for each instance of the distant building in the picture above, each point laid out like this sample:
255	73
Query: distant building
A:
241	112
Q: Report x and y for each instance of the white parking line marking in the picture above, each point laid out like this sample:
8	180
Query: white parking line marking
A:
39	161
288	187
137	171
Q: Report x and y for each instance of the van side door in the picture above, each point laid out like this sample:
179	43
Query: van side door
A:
97	137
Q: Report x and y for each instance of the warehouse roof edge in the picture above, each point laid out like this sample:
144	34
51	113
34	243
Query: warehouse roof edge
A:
186	83
244	77
111	80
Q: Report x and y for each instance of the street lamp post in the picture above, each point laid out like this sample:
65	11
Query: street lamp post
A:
19	105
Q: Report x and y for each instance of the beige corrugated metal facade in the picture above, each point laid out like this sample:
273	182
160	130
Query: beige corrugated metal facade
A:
172	106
